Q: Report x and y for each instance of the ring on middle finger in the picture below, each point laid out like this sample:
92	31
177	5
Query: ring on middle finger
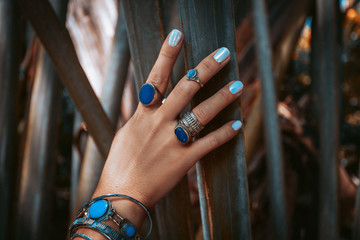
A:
192	75
187	127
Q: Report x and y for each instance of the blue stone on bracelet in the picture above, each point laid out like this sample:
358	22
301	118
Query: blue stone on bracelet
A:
146	94
191	73
129	230
98	209
181	135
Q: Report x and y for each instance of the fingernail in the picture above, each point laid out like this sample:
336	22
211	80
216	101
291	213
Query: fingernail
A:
236	87
174	38
236	125
221	54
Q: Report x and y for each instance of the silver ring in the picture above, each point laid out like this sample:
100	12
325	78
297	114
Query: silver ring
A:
187	127
192	123
192	75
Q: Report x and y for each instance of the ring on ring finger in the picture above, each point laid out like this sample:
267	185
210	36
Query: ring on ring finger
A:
187	127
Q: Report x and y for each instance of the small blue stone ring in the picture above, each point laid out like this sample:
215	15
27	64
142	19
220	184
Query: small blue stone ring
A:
192	75
188	127
149	94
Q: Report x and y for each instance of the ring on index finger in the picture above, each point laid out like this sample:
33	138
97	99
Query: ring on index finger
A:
149	94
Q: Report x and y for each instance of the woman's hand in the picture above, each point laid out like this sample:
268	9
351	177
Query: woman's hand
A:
146	159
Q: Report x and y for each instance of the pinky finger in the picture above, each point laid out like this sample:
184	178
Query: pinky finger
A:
215	139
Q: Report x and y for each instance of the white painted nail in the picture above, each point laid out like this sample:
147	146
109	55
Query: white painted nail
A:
174	38
221	54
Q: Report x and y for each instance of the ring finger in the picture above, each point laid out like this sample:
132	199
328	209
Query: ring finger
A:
190	125
209	108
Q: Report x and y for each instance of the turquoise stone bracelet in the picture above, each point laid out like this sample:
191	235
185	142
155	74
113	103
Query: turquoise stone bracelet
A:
102	228
100	209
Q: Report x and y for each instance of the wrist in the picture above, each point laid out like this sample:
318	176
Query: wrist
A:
111	215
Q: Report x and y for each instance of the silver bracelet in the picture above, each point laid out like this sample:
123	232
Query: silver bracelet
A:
80	235
101	209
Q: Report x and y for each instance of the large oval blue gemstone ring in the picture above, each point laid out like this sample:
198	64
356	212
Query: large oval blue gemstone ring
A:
181	133
192	75
149	94
187	127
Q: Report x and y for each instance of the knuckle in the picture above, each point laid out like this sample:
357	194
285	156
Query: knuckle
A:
168	55
225	95
201	114
155	77
139	117
213	142
183	89
161	117
206	64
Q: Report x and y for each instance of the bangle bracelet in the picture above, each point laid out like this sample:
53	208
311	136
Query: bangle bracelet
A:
81	236
102	228
84	208
101	210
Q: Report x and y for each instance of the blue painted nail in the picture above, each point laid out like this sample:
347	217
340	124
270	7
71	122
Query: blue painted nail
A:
174	38
221	54
236	125
236	87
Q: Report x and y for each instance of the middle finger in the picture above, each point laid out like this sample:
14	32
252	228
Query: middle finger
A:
184	91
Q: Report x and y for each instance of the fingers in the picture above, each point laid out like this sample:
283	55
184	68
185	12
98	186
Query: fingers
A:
213	140
161	71
186	89
208	109
191	123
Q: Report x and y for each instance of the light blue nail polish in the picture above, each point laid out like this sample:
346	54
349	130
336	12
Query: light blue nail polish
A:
221	54
174	38
236	87
236	125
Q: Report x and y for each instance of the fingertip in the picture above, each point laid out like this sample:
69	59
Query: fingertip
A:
175	38
221	55
236	87
236	125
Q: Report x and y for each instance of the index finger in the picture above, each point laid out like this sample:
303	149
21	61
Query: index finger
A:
161	71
